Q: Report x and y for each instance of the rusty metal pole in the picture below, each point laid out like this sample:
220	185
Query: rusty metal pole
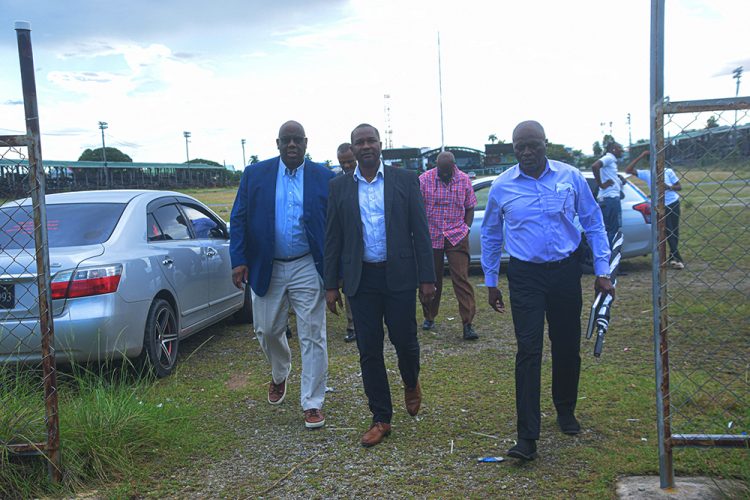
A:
36	180
658	254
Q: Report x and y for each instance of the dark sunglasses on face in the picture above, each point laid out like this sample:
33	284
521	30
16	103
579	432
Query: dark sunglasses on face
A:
288	139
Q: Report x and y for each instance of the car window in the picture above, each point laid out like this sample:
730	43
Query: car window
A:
172	223
68	225
204	224
154	231
483	193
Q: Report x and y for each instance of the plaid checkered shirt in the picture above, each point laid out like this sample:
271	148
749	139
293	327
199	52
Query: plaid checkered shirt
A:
446	205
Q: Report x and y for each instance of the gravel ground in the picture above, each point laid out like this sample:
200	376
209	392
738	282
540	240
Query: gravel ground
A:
468	412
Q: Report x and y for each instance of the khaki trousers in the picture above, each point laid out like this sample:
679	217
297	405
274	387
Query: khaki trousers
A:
458	264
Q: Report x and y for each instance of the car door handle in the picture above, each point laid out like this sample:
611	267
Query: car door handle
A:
210	252
167	261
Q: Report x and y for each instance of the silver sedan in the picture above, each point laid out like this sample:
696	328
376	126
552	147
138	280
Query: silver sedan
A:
133	273
636	220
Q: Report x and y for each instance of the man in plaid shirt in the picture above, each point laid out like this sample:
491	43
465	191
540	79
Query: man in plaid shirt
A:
449	201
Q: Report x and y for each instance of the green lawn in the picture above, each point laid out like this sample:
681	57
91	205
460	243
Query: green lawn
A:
225	440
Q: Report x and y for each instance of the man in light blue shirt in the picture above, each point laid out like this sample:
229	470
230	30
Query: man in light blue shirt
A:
530	209
276	246
377	239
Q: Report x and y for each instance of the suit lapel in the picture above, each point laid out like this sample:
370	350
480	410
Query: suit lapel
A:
351	203
388	193
270	181
307	195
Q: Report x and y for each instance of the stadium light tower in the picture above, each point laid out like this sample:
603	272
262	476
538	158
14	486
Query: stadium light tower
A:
243	153
187	135
102	126
737	75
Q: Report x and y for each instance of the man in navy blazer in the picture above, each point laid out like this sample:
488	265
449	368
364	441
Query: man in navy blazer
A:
277	235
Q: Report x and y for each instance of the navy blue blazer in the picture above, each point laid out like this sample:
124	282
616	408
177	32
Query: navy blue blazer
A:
252	223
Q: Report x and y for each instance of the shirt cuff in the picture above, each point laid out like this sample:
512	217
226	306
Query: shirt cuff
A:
490	280
601	267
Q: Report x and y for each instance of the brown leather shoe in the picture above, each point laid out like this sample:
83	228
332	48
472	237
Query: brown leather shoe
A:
413	399
314	418
276	392
375	434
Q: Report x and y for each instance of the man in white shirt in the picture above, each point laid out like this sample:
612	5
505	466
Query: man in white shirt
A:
672	205
605	173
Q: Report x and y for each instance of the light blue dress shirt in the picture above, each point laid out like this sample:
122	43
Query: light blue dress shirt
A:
290	238
537	219
372	212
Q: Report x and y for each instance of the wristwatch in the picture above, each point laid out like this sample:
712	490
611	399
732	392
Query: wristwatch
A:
605	276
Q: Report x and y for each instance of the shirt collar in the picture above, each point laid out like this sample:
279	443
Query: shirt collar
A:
358	175
549	166
286	170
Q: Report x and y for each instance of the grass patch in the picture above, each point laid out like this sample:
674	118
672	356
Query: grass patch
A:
111	423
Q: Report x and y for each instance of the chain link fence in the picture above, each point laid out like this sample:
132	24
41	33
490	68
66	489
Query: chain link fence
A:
704	263
700	167
28	383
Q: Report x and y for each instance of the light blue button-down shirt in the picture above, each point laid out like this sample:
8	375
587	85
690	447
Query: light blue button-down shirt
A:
290	238
538	215
372	212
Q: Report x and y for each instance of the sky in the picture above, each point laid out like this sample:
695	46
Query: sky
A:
237	69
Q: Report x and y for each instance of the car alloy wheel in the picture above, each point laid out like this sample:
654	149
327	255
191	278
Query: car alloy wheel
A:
161	339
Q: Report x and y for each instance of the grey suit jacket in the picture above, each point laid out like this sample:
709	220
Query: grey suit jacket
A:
408	245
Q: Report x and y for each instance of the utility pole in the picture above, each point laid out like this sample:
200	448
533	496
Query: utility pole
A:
440	83
737	75
102	126
630	135
388	130
187	152
244	164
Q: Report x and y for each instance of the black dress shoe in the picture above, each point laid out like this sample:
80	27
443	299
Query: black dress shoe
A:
469	333
351	335
525	450
568	424
428	324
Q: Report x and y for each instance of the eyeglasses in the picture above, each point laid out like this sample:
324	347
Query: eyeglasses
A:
298	139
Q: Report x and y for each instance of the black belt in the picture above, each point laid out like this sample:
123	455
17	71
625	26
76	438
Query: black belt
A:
376	265
548	265
291	259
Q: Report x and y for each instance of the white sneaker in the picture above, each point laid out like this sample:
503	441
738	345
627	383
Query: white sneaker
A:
676	264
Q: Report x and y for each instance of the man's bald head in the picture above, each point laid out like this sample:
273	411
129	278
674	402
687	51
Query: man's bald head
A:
529	128
446	156
445	164
292	127
530	147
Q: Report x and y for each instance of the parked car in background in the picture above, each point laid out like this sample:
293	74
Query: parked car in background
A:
133	273
636	220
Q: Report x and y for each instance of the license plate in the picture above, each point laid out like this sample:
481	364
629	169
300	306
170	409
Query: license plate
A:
7	296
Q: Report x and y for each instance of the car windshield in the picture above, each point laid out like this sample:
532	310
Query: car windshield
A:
68	225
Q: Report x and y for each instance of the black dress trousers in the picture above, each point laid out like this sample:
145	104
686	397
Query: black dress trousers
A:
372	304
551	290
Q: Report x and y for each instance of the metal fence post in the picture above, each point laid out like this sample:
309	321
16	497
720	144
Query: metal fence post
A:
36	180
658	253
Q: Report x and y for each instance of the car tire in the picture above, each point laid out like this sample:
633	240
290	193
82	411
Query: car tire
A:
160	340
245	315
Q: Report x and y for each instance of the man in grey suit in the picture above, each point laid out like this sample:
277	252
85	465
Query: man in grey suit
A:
377	236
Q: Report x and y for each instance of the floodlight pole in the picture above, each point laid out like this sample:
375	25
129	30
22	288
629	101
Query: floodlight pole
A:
102	126
187	135
244	164
440	83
